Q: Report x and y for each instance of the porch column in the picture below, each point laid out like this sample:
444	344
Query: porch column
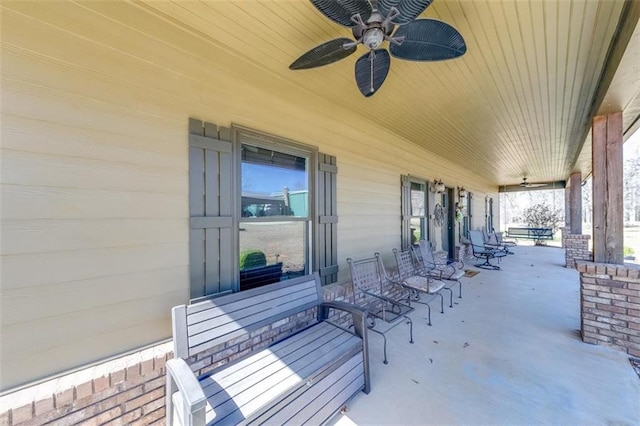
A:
575	203
606	133
567	207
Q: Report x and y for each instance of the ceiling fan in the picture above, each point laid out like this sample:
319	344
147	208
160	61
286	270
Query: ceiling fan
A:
526	184
373	22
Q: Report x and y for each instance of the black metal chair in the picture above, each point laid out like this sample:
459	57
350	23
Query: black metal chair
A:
383	298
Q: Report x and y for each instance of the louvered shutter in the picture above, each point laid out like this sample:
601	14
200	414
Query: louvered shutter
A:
327	226
212	253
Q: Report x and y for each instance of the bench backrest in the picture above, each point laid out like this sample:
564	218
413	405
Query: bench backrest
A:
210	323
530	232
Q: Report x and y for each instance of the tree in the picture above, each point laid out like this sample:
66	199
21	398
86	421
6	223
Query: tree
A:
542	216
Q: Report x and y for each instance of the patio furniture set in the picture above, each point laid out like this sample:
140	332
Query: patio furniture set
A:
416	277
312	368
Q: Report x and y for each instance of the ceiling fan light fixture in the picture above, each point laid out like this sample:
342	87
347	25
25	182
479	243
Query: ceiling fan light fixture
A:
373	38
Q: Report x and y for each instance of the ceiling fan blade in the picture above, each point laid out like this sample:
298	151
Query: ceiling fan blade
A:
324	54
341	11
409	9
428	40
371	70
536	185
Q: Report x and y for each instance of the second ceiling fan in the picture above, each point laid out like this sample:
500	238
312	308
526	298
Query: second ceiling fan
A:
373	22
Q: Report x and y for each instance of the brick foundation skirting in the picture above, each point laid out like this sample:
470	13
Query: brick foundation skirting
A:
610	305
130	390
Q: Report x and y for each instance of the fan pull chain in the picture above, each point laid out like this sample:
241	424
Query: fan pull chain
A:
372	56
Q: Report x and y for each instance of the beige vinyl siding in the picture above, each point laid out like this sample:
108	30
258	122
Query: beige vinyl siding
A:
95	105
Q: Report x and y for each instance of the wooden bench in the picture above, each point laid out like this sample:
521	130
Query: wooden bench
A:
306	376
536	234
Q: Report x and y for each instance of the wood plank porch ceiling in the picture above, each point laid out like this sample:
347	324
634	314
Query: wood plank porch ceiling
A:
516	104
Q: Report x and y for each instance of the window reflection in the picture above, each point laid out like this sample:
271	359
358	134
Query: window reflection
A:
274	231
273	183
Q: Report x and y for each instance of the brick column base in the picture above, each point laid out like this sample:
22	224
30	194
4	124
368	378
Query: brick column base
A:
576	248
610	305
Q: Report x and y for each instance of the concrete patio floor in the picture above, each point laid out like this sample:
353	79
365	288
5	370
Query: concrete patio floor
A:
509	353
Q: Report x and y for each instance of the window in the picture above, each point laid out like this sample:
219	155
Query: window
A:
275	225
418	211
466	219
414	211
488	205
262	209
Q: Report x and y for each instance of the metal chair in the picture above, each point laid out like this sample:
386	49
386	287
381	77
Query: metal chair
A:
417	283
494	240
450	271
505	243
374	291
482	251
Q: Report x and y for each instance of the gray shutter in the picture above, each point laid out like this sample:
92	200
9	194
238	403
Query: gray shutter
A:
327	226
431	202
469	213
211	241
405	212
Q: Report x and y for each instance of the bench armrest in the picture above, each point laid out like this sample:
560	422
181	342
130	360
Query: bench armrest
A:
359	317
180	378
358	313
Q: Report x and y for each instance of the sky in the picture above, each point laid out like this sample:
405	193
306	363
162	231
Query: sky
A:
268	179
632	145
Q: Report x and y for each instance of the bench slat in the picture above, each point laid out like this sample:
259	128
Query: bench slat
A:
307	406
239	403
213	336
265	393
307	280
264	362
266	307
298	367
213	310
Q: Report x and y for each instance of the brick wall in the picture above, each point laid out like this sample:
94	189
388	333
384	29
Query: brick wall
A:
576	246
610	305
130	390
465	253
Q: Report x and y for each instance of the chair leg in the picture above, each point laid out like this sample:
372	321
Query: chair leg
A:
459	289
410	328
450	297
441	303
487	265
428	314
384	338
